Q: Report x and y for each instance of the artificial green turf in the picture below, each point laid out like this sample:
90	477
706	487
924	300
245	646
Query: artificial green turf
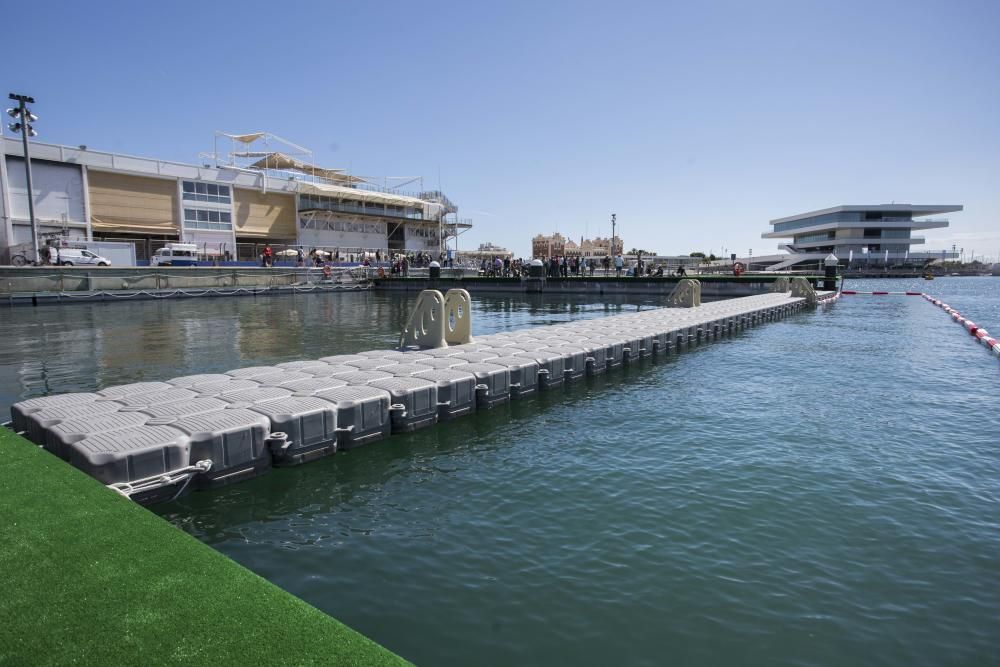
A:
89	577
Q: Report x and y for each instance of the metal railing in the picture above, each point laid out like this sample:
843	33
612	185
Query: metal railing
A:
438	197
361	209
356	182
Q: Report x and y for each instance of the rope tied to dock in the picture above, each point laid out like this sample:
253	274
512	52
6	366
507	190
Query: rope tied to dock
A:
146	484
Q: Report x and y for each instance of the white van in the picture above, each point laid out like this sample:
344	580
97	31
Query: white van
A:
77	257
176	254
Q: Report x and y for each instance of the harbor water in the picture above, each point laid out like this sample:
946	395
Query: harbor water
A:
822	490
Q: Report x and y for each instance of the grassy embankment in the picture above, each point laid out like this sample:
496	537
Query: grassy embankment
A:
92	578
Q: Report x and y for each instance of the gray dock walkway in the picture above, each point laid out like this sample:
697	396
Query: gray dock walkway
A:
155	440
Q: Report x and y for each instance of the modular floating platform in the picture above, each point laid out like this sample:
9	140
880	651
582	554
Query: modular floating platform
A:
153	441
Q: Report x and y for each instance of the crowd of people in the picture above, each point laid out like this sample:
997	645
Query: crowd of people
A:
399	264
501	268
578	267
318	257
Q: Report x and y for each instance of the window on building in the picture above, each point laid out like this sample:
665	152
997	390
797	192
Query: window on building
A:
206	192
195	218
888	215
812	238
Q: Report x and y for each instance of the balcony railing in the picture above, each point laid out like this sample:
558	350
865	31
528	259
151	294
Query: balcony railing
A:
371	209
356	183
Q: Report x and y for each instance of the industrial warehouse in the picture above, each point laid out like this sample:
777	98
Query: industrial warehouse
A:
250	191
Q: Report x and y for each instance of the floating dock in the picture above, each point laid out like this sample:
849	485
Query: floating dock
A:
153	441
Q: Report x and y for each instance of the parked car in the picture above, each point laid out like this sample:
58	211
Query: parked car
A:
77	257
176	254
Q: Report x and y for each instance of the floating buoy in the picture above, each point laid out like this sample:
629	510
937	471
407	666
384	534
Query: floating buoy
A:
847	291
980	334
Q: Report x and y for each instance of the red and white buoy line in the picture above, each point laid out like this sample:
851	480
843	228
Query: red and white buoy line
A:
828	299
982	335
848	291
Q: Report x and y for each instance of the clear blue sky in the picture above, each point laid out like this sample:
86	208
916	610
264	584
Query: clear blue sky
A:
695	122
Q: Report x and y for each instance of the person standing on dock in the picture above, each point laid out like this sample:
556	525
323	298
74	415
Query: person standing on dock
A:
268	255
619	263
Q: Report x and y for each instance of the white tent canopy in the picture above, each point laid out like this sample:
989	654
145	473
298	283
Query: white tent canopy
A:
275	160
246	138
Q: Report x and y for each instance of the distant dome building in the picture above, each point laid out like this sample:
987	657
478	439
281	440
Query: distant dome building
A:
558	245
487	251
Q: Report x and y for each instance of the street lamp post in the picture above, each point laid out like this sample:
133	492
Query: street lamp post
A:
613	220
23	119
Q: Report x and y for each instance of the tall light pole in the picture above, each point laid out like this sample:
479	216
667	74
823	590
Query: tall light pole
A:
613	219
23	118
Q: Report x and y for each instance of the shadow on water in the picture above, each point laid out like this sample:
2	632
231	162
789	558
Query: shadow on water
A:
86	347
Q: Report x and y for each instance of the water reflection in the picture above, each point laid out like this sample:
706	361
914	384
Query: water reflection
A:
84	347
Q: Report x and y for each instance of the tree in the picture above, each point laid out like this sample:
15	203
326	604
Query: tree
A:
697	254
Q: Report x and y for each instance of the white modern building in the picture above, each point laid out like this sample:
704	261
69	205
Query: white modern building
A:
875	235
